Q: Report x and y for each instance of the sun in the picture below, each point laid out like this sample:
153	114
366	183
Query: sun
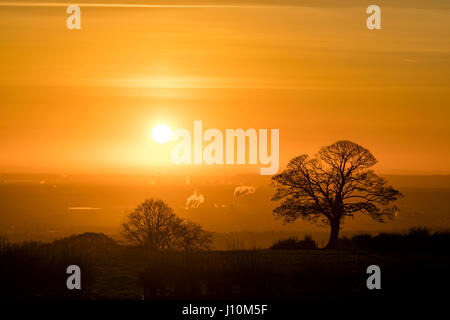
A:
162	133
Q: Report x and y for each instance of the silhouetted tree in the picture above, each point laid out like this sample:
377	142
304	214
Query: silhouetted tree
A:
154	226
334	184
193	237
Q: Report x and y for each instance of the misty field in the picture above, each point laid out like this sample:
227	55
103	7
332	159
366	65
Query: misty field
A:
113	271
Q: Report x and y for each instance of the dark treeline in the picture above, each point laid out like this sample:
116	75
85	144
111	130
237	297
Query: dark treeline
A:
418	239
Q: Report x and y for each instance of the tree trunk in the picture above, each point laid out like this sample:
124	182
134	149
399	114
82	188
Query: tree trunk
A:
334	234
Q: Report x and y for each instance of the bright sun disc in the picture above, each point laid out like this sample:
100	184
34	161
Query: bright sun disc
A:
161	133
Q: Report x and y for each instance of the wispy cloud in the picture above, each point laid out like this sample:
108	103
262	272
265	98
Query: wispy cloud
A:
417	4
119	5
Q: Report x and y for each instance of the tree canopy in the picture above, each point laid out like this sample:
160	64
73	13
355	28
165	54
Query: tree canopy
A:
154	225
336	183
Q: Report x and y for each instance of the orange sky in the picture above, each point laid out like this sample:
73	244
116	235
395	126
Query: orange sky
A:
85	101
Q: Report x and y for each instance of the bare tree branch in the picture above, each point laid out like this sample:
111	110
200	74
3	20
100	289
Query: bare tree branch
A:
334	184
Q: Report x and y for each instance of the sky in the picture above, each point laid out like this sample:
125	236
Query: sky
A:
85	101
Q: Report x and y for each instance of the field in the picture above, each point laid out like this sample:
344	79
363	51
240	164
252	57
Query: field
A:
113	271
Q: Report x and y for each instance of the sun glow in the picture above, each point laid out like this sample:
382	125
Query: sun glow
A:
162	133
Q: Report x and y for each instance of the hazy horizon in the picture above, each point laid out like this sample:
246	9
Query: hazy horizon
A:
59	205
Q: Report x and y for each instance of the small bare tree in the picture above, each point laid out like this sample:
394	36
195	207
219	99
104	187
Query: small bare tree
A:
193	237
335	184
154	226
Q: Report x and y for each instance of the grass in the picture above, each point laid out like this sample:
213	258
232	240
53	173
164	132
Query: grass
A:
113	271
35	270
